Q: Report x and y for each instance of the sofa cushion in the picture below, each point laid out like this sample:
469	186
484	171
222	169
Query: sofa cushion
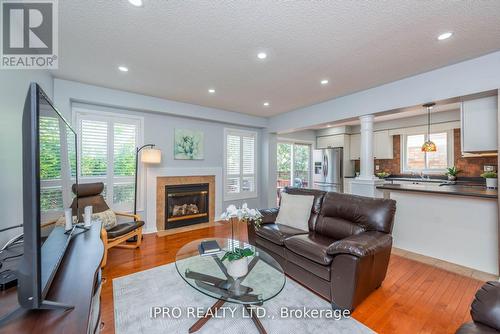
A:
123	228
343	215
277	233
295	210
312	246
315	268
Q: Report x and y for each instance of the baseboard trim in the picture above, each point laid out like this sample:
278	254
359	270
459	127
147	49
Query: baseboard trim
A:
448	266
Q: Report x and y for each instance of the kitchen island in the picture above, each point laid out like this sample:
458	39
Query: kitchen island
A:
457	223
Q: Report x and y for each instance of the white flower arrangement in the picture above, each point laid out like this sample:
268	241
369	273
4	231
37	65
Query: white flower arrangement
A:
243	214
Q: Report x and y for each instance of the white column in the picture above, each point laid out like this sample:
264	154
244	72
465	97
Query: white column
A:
366	150
366	184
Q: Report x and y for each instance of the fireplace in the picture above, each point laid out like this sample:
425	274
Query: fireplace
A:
186	204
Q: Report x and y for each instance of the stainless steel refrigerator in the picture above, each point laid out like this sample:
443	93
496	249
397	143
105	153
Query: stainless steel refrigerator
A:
328	174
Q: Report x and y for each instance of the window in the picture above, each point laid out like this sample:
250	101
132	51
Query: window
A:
57	165
293	162
240	176
414	160
107	154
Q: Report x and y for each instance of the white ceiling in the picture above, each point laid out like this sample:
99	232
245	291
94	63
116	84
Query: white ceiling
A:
177	49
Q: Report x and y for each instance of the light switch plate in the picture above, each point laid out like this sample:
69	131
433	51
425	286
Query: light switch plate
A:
488	168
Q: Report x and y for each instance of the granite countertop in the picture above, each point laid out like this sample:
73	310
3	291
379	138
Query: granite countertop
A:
474	190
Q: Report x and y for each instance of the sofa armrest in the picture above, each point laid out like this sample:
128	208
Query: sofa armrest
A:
269	215
485	308
363	244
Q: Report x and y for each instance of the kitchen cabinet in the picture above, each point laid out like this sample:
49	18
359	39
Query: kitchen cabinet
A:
330	141
382	145
479	125
354	154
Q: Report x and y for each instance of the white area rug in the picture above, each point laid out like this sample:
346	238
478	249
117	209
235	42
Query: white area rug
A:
136	294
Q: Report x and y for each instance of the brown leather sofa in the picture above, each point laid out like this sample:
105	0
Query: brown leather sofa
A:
485	311
345	253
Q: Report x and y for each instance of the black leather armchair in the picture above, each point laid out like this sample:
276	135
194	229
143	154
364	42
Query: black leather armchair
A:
485	311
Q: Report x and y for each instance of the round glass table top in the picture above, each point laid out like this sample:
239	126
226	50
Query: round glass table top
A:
208	274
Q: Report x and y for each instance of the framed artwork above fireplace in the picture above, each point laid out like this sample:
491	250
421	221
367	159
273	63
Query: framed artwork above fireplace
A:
188	144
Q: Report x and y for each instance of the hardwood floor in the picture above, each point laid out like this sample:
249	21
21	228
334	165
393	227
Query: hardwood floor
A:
414	298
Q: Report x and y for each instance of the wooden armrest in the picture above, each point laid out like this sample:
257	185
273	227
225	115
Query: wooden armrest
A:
136	217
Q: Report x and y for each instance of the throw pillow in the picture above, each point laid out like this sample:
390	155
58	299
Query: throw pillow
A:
295	210
107	217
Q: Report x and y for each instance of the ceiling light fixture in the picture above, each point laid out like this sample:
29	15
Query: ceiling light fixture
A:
324	81
262	55
266	104
445	35
137	3
123	68
211	91
429	145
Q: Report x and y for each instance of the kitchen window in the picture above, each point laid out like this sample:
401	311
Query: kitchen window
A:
107	146
240	164
414	160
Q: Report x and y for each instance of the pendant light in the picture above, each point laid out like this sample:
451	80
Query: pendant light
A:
429	145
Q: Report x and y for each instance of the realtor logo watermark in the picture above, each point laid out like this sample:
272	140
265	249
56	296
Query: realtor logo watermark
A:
29	36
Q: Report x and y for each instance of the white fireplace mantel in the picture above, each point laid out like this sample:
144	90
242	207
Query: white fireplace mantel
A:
153	173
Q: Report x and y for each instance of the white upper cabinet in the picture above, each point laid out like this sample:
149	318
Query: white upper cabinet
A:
382	145
354	154
479	125
330	141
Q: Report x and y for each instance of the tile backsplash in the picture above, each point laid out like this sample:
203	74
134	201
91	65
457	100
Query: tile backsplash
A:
470	167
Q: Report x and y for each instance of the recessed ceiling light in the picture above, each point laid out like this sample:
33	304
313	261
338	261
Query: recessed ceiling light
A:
445	35
265	104
211	91
324	81
262	55
137	3
123	68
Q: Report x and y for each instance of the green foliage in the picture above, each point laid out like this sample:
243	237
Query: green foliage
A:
452	171
237	254
383	175
284	159
489	175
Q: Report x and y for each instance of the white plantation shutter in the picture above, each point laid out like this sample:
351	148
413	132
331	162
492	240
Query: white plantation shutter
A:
240	164
94	143
107	154
51	196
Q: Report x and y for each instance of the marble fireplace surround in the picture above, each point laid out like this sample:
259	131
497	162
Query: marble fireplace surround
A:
157	178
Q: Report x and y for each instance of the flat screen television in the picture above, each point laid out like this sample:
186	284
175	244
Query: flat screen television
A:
49	170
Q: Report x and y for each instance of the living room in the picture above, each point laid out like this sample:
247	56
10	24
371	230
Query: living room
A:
251	167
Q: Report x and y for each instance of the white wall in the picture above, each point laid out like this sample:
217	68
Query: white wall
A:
14	86
468	77
161	117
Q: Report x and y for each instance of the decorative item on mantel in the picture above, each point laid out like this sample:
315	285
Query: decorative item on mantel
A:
452	173
429	145
491	179
238	257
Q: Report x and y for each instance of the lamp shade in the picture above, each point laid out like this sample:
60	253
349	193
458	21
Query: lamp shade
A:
151	156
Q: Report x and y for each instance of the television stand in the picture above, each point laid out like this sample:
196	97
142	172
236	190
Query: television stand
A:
82	264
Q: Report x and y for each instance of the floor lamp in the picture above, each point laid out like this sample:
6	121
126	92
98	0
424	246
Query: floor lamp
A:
150	155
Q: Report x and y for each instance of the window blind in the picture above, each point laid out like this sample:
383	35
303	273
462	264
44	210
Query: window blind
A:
240	164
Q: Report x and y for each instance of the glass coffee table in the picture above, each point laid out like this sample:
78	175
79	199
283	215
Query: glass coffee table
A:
207	274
